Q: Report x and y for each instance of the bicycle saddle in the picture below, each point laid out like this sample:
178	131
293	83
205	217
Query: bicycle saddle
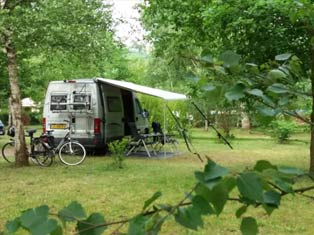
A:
31	131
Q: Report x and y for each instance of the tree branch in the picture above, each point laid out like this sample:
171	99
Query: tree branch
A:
302	190
290	113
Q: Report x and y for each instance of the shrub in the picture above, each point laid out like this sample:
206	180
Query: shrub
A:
117	149
35	118
282	130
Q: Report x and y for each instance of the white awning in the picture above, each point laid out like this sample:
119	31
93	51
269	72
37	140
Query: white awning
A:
166	95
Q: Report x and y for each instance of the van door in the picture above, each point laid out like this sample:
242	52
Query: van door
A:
114	113
140	119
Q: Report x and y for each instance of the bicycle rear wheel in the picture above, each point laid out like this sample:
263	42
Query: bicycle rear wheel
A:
72	153
42	156
8	152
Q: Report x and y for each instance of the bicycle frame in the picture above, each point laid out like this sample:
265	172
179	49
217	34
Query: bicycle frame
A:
63	140
66	147
66	138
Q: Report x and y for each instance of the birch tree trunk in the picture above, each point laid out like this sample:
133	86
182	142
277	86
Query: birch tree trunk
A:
312	112
245	121
21	154
206	125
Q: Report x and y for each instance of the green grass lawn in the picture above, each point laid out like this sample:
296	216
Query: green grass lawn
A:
120	193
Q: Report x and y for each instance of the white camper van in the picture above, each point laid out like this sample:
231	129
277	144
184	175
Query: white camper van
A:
99	112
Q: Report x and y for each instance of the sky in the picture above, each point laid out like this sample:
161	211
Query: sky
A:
130	30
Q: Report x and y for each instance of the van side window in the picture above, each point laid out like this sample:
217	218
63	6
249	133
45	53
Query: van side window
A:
58	102
83	101
114	104
138	107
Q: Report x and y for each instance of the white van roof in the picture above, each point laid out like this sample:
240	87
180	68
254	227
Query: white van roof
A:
79	80
166	95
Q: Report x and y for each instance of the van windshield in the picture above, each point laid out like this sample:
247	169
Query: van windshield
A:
138	107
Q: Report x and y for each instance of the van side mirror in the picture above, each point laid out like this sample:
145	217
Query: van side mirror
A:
145	113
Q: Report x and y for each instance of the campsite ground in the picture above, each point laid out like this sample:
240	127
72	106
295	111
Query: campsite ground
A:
120	193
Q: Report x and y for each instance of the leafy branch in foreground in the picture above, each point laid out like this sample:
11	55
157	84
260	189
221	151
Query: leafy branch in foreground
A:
263	186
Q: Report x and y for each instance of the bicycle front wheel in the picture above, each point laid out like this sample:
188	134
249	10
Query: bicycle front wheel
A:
8	152
72	153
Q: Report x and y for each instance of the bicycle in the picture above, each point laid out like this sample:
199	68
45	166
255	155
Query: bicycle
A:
43	150
37	151
70	152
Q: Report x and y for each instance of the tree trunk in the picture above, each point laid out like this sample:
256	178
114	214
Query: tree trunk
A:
206	125
312	111
21	154
245	121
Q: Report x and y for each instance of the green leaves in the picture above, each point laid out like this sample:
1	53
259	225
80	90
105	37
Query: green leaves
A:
266	111
250	187
290	171
72	212
207	57
208	87
137	225
67	37
13	226
236	92
47	227
241	211
278	88
283	57
276	74
212	174
149	201
92	225
144	225
34	216
266	185
230	59
262	165
35	221
213	171
249	226
211	194
202	205
189	217
272	198
214	187
192	77
218	197
255	92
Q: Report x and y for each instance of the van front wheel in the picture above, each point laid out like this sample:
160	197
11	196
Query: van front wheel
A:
72	153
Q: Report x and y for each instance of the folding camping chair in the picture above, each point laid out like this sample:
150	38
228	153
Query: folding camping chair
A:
140	141
160	139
